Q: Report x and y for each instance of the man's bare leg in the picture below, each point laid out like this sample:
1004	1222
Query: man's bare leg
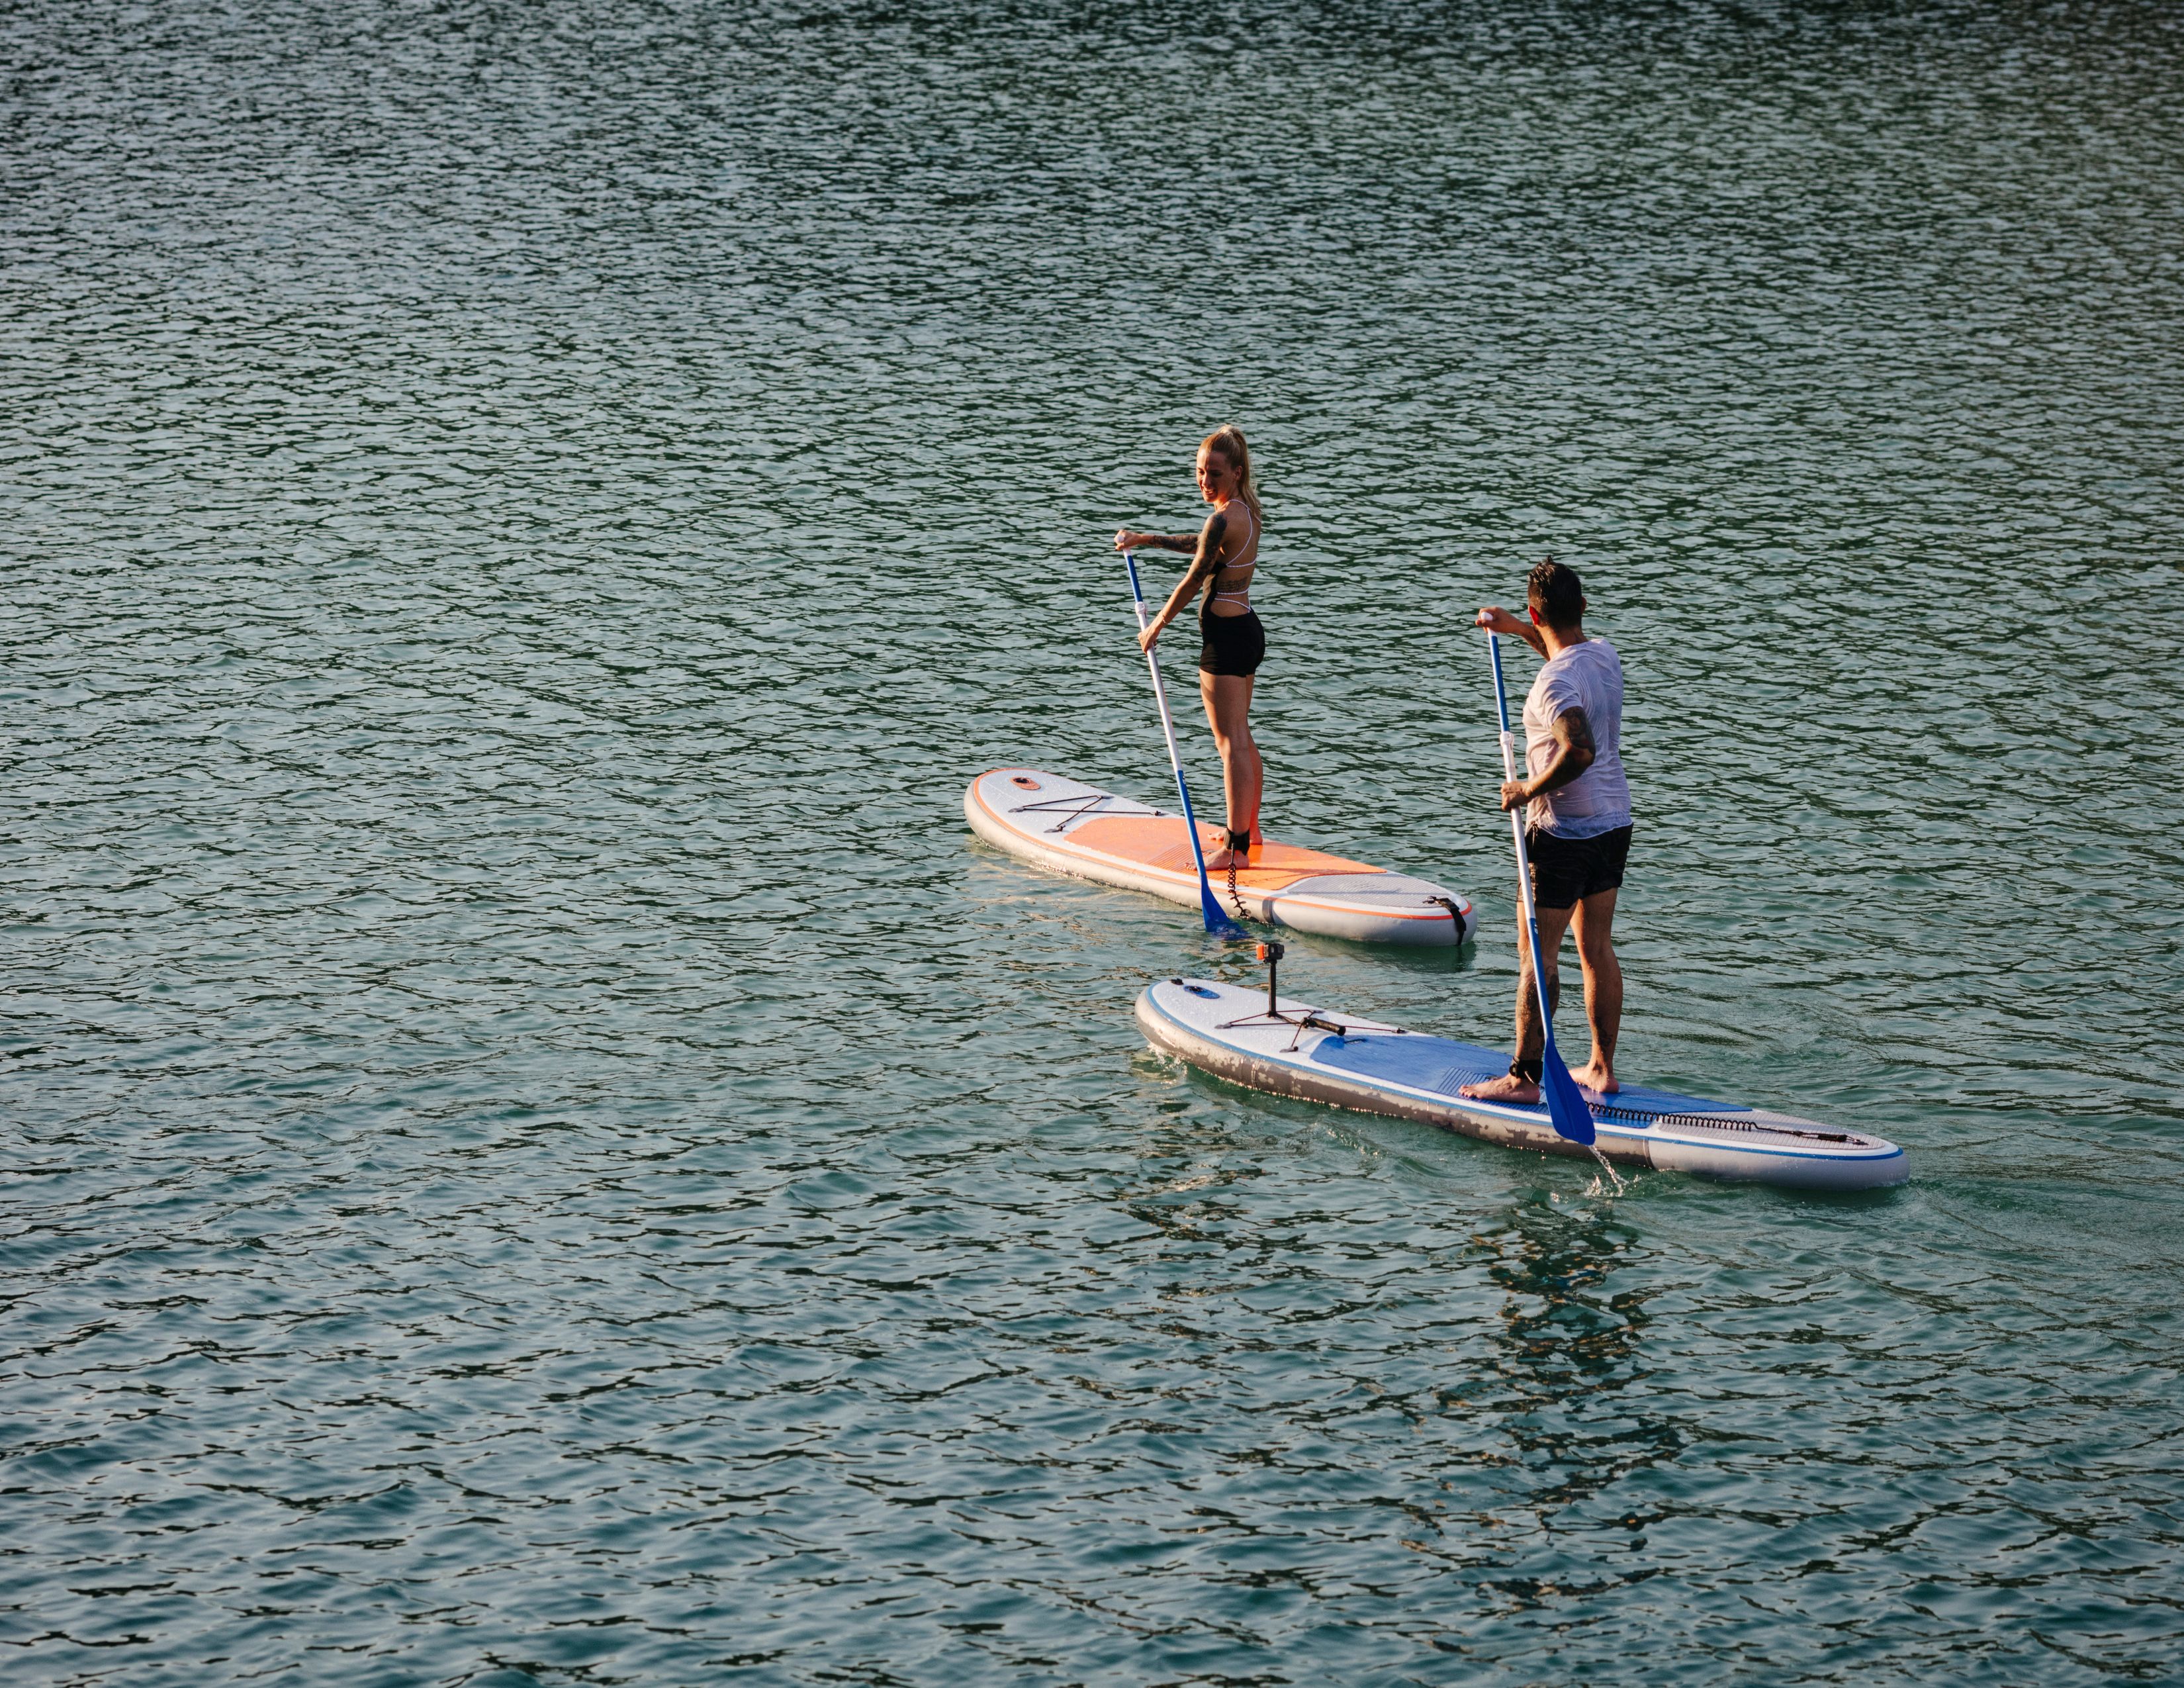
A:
1531	1035
1603	990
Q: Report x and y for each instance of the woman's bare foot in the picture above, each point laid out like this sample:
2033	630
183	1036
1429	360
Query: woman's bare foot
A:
1234	847
1598	1079
1508	1087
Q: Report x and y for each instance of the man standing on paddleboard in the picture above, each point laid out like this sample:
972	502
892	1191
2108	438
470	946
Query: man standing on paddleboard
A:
1577	827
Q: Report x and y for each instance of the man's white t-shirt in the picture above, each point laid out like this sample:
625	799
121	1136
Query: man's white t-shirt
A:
1587	677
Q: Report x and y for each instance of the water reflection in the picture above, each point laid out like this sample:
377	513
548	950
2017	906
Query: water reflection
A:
1568	1363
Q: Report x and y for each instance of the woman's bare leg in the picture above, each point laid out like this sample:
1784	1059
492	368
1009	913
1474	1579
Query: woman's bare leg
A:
1243	774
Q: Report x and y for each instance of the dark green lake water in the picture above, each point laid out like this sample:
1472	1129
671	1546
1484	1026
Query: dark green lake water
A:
538	1149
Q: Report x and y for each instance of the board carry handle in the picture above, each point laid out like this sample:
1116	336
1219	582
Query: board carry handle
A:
1216	922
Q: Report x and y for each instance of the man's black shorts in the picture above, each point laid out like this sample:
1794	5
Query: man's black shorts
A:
1566	870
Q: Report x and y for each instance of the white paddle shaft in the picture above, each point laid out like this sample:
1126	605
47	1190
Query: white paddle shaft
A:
1214	917
1524	857
1160	699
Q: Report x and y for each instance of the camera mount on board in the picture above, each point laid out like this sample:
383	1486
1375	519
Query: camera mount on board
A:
1271	952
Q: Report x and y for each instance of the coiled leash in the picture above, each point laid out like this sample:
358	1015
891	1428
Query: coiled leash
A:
1236	841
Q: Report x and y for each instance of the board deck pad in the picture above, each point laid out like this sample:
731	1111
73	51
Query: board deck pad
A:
1164	841
1444	1066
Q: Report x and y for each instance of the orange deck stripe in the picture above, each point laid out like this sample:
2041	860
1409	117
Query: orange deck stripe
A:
1159	842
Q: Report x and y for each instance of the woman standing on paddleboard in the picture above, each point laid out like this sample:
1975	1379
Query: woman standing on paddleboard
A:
1224	555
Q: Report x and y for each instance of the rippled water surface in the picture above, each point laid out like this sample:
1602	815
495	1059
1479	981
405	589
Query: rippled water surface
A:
538	1149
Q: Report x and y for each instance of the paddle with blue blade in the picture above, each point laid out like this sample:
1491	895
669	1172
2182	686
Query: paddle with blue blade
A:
1566	1104
1216	922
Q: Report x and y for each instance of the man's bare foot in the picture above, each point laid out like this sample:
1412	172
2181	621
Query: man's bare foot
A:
1598	1079
1506	1088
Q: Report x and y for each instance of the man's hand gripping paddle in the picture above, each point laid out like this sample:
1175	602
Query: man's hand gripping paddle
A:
1216	922
1565	1101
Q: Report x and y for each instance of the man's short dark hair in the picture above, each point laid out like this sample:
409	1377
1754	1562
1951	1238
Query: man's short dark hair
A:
1556	592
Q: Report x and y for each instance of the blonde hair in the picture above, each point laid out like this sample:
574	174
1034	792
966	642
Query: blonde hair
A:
1228	441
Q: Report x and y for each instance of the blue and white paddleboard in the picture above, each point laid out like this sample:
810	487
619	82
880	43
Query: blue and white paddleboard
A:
1325	1055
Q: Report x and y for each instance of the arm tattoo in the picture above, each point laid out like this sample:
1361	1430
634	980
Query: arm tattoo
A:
1209	547
1574	751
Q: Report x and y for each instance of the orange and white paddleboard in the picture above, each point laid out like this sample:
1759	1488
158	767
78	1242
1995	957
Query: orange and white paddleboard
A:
1079	829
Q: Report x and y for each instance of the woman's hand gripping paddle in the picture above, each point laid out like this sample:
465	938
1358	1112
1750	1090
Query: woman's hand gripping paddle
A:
1216	922
1565	1101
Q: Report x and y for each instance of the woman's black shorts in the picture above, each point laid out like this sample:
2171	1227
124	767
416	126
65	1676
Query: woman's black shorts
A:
1233	644
1565	871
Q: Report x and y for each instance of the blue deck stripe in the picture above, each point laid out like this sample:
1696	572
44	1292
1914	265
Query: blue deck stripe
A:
1442	1064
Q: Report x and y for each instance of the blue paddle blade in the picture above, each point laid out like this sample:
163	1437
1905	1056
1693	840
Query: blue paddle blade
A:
1216	922
1566	1104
